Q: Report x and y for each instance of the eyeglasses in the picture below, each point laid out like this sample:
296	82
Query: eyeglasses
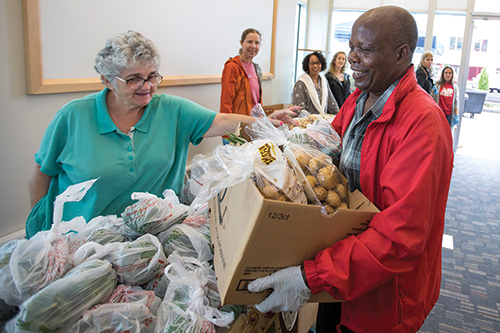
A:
312	63
138	82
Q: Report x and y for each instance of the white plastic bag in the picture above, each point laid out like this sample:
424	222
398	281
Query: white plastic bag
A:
8	292
230	165
187	242
48	255
57	307
137	262
152	214
192	293
314	169
128	309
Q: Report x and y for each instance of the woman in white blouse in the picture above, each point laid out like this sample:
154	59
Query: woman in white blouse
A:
311	91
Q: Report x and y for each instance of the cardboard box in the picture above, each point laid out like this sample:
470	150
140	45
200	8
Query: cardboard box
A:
254	237
270	108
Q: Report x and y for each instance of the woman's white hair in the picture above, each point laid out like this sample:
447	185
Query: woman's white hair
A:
124	50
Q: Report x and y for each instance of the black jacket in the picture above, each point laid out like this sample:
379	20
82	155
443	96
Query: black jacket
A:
424	79
340	90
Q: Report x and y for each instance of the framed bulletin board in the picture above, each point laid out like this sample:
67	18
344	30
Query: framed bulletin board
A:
195	38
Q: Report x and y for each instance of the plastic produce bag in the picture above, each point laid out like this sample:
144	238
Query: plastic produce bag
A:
107	229
158	284
231	165
315	170
58	306
137	262
105	236
305	119
187	242
153	215
8	292
47	256
320	136
192	299
128	309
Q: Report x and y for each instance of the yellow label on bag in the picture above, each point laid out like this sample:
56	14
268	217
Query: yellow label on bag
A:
267	153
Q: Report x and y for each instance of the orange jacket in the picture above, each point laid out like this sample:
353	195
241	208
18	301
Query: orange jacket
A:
236	96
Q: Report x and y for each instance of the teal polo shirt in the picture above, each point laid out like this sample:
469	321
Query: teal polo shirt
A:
83	143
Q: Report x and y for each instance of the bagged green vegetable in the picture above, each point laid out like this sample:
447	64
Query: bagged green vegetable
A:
137	262
57	307
192	301
128	309
8	293
105	236
187	241
152	215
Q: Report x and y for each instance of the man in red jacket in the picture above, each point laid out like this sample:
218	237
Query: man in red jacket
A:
396	149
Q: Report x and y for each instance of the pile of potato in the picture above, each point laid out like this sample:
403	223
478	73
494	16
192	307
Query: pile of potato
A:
322	177
319	177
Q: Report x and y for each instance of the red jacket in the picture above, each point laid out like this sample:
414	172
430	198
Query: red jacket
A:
390	274
236	96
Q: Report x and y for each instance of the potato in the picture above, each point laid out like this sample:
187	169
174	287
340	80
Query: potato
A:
312	180
342	205
321	192
281	197
341	190
315	164
302	158
270	192
333	199
329	209
326	178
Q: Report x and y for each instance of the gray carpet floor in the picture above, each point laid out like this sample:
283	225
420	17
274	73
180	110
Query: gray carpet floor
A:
470	286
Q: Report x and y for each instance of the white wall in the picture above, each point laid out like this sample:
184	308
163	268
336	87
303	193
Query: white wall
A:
23	118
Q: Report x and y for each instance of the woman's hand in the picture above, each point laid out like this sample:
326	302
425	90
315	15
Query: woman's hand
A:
279	117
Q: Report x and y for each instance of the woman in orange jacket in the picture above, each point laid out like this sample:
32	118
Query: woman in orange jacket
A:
241	78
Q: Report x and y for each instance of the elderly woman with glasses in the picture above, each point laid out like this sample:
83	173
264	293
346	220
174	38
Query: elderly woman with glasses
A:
132	138
311	91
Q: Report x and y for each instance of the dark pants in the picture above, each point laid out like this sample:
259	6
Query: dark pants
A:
329	317
449	118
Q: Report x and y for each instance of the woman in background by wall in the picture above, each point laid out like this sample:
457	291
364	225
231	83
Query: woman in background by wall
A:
311	91
423	72
447	98
338	79
242	78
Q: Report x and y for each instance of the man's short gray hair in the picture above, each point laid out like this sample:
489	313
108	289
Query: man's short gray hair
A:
124	50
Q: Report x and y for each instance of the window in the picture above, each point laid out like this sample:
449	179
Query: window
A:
446	27
453	43
300	38
456	43
484	45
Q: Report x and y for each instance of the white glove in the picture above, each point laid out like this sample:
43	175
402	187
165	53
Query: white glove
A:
290	290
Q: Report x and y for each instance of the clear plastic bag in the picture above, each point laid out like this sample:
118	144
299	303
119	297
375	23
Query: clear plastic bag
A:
320	136
8	293
319	177
47	256
231	165
158	284
187	242
152	215
137	262
192	298
57	307
128	309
